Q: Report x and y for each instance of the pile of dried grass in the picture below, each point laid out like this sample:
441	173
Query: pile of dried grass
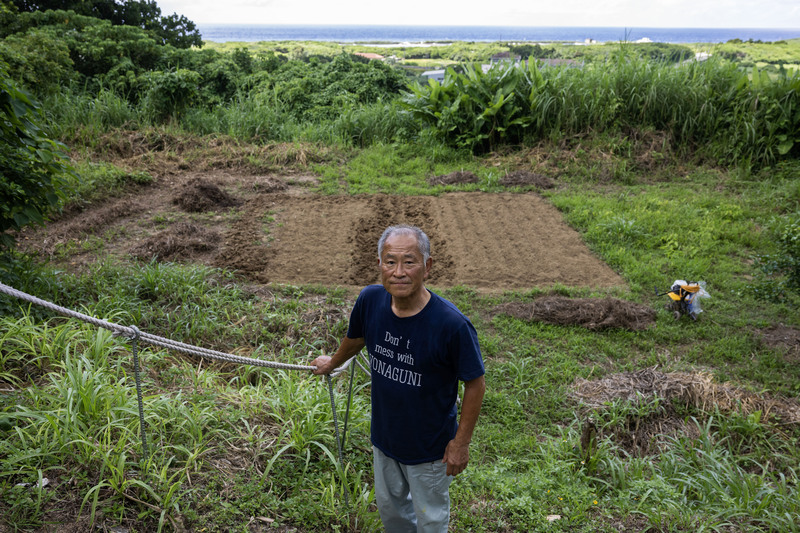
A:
180	242
523	177
696	390
640	435
590	313
454	178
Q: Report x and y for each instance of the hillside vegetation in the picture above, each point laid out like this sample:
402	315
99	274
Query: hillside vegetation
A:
667	167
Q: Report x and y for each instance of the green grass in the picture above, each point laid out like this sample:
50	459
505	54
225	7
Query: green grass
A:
237	445
395	169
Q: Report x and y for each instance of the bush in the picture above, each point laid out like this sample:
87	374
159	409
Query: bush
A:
95	46
175	30
32	166
169	94
39	60
314	91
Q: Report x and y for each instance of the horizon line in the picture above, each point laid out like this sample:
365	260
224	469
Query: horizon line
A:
367	24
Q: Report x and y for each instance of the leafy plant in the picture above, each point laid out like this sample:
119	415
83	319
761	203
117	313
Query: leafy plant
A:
33	167
169	94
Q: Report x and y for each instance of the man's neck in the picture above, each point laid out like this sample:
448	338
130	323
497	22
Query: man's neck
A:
405	307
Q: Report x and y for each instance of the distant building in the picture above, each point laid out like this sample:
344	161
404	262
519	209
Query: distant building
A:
699	57
437	75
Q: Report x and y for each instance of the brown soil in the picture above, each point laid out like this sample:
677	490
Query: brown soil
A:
272	229
200	195
592	314
180	242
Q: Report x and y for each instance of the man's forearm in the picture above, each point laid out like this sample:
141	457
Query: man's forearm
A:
470	409
347	349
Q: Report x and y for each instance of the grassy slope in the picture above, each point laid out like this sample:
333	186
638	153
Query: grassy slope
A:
72	405
238	449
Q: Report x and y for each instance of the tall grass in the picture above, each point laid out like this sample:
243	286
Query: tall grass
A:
80	418
710	106
254	117
232	444
75	114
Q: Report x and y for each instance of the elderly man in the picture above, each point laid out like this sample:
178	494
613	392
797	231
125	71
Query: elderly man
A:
420	345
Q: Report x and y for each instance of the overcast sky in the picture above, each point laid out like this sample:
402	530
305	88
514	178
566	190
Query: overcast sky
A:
614	13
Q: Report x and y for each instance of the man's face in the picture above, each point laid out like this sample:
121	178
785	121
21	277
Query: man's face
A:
403	270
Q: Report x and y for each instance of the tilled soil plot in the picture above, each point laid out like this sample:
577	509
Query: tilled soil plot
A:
490	242
486	241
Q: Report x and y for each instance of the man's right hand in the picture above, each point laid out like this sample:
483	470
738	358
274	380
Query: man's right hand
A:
347	349
323	364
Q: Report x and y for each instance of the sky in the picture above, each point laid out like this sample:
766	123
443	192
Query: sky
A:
613	13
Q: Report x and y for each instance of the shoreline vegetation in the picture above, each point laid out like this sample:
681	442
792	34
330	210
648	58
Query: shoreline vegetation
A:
663	166
440	54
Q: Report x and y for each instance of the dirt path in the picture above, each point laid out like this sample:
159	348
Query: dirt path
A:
491	242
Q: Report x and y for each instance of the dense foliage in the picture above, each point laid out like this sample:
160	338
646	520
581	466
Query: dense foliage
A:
31	164
782	268
175	30
711	106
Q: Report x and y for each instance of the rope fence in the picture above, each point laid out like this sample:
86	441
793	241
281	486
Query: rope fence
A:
135	335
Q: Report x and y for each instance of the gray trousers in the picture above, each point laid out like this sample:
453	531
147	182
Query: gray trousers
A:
411	498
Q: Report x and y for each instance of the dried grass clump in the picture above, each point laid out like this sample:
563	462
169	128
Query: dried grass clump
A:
180	242
655	395
201	195
454	178
693	389
591	313
521	178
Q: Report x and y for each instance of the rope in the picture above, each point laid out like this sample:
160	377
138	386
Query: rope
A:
128	331
349	401
133	333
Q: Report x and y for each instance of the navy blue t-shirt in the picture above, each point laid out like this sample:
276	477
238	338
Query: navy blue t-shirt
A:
416	363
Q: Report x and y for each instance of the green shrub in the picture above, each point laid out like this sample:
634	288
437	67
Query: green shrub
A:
315	91
32	166
710	105
169	94
38	60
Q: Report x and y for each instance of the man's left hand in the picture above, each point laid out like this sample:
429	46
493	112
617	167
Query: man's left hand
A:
456	456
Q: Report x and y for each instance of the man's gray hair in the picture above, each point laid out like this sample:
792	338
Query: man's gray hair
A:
423	242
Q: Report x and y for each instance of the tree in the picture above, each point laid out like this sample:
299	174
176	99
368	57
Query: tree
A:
33	168
38	59
174	29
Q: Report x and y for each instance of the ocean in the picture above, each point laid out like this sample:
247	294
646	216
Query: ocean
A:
416	34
